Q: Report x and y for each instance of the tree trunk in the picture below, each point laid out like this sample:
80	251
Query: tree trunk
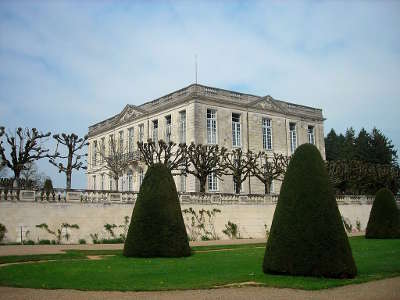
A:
116	183
68	173
203	181
267	186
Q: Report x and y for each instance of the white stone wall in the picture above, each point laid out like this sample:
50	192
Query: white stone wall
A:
91	217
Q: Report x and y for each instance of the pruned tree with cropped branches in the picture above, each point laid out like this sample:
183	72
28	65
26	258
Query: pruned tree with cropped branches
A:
116	161
170	154
205	160
74	159
239	165
25	146
267	168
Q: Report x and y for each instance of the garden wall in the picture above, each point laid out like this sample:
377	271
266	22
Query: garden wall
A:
21	218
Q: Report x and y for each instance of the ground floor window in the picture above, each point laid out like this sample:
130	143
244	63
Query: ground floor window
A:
212	182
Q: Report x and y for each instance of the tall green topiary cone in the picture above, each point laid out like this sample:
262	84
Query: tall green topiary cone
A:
307	236
157	228
384	219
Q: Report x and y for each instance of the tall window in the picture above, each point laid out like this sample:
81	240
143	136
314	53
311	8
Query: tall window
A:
130	182
155	131
130	139
121	141
141	133
94	182
94	157
212	182
211	126
311	136
141	177
102	182
236	130
168	128
183	183
111	144
110	182
182	127
267	134
103	149
293	137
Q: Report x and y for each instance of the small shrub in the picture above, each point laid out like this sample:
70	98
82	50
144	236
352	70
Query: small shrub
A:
3	231
95	238
110	229
112	241
384	218
29	242
347	224
82	241
358	225
200	225
59	232
266	231
232	230
44	242
48	189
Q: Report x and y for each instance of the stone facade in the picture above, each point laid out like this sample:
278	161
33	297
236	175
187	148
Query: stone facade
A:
195	104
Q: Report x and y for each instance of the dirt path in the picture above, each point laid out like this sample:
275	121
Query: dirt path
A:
387	289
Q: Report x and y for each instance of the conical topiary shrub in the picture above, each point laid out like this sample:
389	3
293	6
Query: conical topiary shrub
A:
307	236
384	219
157	228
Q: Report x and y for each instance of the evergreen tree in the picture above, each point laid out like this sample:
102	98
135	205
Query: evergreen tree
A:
362	146
307	236
382	149
349	146
157	228
384	219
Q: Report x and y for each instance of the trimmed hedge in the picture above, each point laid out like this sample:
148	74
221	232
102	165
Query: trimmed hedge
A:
384	218
157	228
307	237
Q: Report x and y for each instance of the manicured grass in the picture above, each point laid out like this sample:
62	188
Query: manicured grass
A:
375	259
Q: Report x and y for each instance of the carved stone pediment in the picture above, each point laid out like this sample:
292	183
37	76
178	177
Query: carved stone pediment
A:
130	112
267	103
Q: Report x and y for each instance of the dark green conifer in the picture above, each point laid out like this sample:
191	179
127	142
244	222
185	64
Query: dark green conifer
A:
157	228
384	219
307	236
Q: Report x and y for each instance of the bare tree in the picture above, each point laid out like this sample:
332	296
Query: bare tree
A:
169	154
268	168
74	144
204	161
3	169
239	165
26	146
116	161
31	177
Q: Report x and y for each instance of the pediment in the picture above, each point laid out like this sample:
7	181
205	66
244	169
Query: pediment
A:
267	103
130	112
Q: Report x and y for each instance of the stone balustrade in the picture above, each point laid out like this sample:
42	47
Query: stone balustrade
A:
106	196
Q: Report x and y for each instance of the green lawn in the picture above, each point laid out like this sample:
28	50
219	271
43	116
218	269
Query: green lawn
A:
375	259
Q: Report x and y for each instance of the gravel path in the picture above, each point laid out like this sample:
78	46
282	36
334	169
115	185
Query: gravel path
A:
53	249
387	289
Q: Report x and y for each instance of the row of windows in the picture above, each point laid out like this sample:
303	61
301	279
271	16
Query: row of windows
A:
126	184
154	136
266	131
211	133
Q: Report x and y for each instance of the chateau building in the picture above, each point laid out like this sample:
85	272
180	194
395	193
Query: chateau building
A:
208	116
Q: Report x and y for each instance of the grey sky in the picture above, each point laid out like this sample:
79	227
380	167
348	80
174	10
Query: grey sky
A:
67	65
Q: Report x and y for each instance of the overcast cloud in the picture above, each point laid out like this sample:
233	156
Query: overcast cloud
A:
67	65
